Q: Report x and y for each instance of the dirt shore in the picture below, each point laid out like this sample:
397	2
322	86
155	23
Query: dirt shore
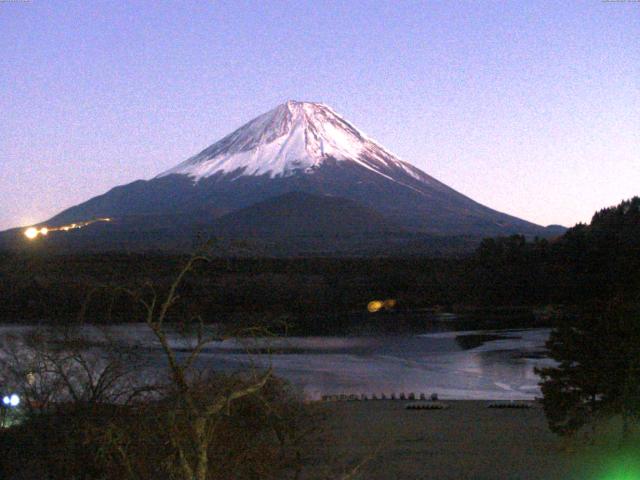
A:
467	440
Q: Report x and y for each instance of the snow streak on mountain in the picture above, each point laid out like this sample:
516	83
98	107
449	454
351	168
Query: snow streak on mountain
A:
295	137
298	179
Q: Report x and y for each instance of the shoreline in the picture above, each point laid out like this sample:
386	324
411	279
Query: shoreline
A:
467	440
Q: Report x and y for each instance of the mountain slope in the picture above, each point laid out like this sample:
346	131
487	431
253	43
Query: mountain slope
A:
301	147
298	214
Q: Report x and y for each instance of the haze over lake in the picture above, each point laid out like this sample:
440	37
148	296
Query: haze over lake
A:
456	364
446	363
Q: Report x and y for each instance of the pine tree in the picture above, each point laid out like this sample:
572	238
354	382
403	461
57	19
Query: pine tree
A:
597	374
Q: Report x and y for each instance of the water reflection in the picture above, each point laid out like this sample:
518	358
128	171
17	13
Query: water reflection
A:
499	364
480	364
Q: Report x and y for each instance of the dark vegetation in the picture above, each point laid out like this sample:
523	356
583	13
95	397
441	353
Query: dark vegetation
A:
185	424
597	377
596	343
258	437
588	263
94	408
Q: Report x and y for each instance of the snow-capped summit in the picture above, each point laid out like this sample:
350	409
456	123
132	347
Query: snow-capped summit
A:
294	137
299	174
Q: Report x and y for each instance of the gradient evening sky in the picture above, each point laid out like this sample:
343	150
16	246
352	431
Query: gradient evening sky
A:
529	107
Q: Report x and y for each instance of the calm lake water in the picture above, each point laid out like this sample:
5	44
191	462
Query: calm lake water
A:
485	364
465	364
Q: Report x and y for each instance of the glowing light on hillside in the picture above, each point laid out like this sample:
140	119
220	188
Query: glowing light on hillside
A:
32	232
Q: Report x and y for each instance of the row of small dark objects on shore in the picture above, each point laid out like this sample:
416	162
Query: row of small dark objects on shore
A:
510	405
353	397
441	406
425	403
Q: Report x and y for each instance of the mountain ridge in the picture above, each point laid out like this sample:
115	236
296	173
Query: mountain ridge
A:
301	147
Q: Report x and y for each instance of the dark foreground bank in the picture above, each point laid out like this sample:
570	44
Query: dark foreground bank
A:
468	440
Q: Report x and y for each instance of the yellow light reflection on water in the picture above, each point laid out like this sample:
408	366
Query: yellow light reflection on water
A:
390	303
375	306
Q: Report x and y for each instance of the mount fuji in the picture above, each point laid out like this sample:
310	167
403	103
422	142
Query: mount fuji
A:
300	177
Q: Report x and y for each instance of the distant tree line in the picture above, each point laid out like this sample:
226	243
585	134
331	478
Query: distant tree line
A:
588	262
104	403
591	274
95	406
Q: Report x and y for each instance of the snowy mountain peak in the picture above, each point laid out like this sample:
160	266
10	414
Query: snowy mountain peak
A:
300	155
295	137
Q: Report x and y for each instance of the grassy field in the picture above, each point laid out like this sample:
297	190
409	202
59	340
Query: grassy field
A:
466	441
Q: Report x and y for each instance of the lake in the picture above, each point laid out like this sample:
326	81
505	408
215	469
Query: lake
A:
478	364
459	364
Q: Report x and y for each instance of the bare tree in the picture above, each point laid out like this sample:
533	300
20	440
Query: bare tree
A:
192	423
52	366
194	406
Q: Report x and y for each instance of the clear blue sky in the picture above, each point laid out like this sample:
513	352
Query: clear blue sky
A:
530	107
